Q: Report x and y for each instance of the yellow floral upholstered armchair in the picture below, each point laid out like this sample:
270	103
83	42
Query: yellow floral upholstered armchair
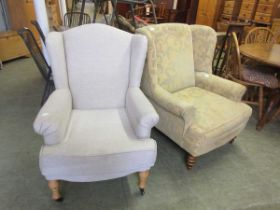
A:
198	111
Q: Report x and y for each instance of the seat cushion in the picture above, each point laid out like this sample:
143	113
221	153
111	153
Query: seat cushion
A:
260	75
216	120
99	145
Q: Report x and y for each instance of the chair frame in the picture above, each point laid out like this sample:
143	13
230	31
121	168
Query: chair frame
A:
70	22
251	37
43	67
236	27
38	28
237	75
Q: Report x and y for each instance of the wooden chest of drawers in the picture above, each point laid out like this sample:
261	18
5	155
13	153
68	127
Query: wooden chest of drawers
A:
11	46
276	29
247	10
231	9
266	10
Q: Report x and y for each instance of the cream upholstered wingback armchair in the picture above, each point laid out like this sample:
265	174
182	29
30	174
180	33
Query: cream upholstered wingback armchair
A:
198	110
96	124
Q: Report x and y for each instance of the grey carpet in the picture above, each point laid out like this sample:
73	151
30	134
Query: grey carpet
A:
242	176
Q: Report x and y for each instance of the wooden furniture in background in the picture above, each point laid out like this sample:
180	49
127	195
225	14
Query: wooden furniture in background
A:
229	14
11	46
73	19
266	10
40	61
20	14
268	54
230	10
53	13
256	76
276	29
265	53
191	13
208	12
260	35
247	10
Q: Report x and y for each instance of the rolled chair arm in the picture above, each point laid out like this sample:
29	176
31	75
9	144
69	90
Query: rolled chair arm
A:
53	119
141	113
221	86
173	104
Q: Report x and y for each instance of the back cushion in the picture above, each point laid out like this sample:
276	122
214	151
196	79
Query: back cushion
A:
174	56
98	63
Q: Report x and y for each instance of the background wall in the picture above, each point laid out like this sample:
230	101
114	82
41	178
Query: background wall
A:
4	25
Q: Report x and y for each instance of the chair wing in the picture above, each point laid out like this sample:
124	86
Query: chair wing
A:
204	41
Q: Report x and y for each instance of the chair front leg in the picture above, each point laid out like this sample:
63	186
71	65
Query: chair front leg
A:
54	187
190	161
143	178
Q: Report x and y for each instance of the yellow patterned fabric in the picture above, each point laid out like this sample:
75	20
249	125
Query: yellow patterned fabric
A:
221	86
204	42
174	67
198	111
212	111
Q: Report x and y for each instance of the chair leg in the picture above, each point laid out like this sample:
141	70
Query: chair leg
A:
143	178
268	115
54	187
232	140
260	102
191	160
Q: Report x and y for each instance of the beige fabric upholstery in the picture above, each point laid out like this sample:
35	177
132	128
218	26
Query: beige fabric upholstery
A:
199	116
175	67
97	123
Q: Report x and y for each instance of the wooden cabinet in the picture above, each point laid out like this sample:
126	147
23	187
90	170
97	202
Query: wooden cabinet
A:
20	12
266	10
276	28
247	10
11	46
208	12
231	10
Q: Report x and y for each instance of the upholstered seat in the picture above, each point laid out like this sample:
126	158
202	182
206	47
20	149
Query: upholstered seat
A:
111	127
260	76
199	111
225	115
97	123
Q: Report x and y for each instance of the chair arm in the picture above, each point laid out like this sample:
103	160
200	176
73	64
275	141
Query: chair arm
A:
141	113
53	118
173	104
221	86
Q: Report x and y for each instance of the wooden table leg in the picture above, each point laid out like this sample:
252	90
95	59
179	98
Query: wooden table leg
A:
268	115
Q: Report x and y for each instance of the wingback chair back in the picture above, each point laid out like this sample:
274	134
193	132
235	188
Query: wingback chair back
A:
187	49
97	64
97	123
175	68
198	111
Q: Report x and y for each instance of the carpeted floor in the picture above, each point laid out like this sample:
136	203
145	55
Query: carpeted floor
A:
242	176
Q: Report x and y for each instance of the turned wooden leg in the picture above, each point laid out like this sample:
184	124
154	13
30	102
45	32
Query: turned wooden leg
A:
266	117
143	177
232	140
260	102
190	161
54	187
